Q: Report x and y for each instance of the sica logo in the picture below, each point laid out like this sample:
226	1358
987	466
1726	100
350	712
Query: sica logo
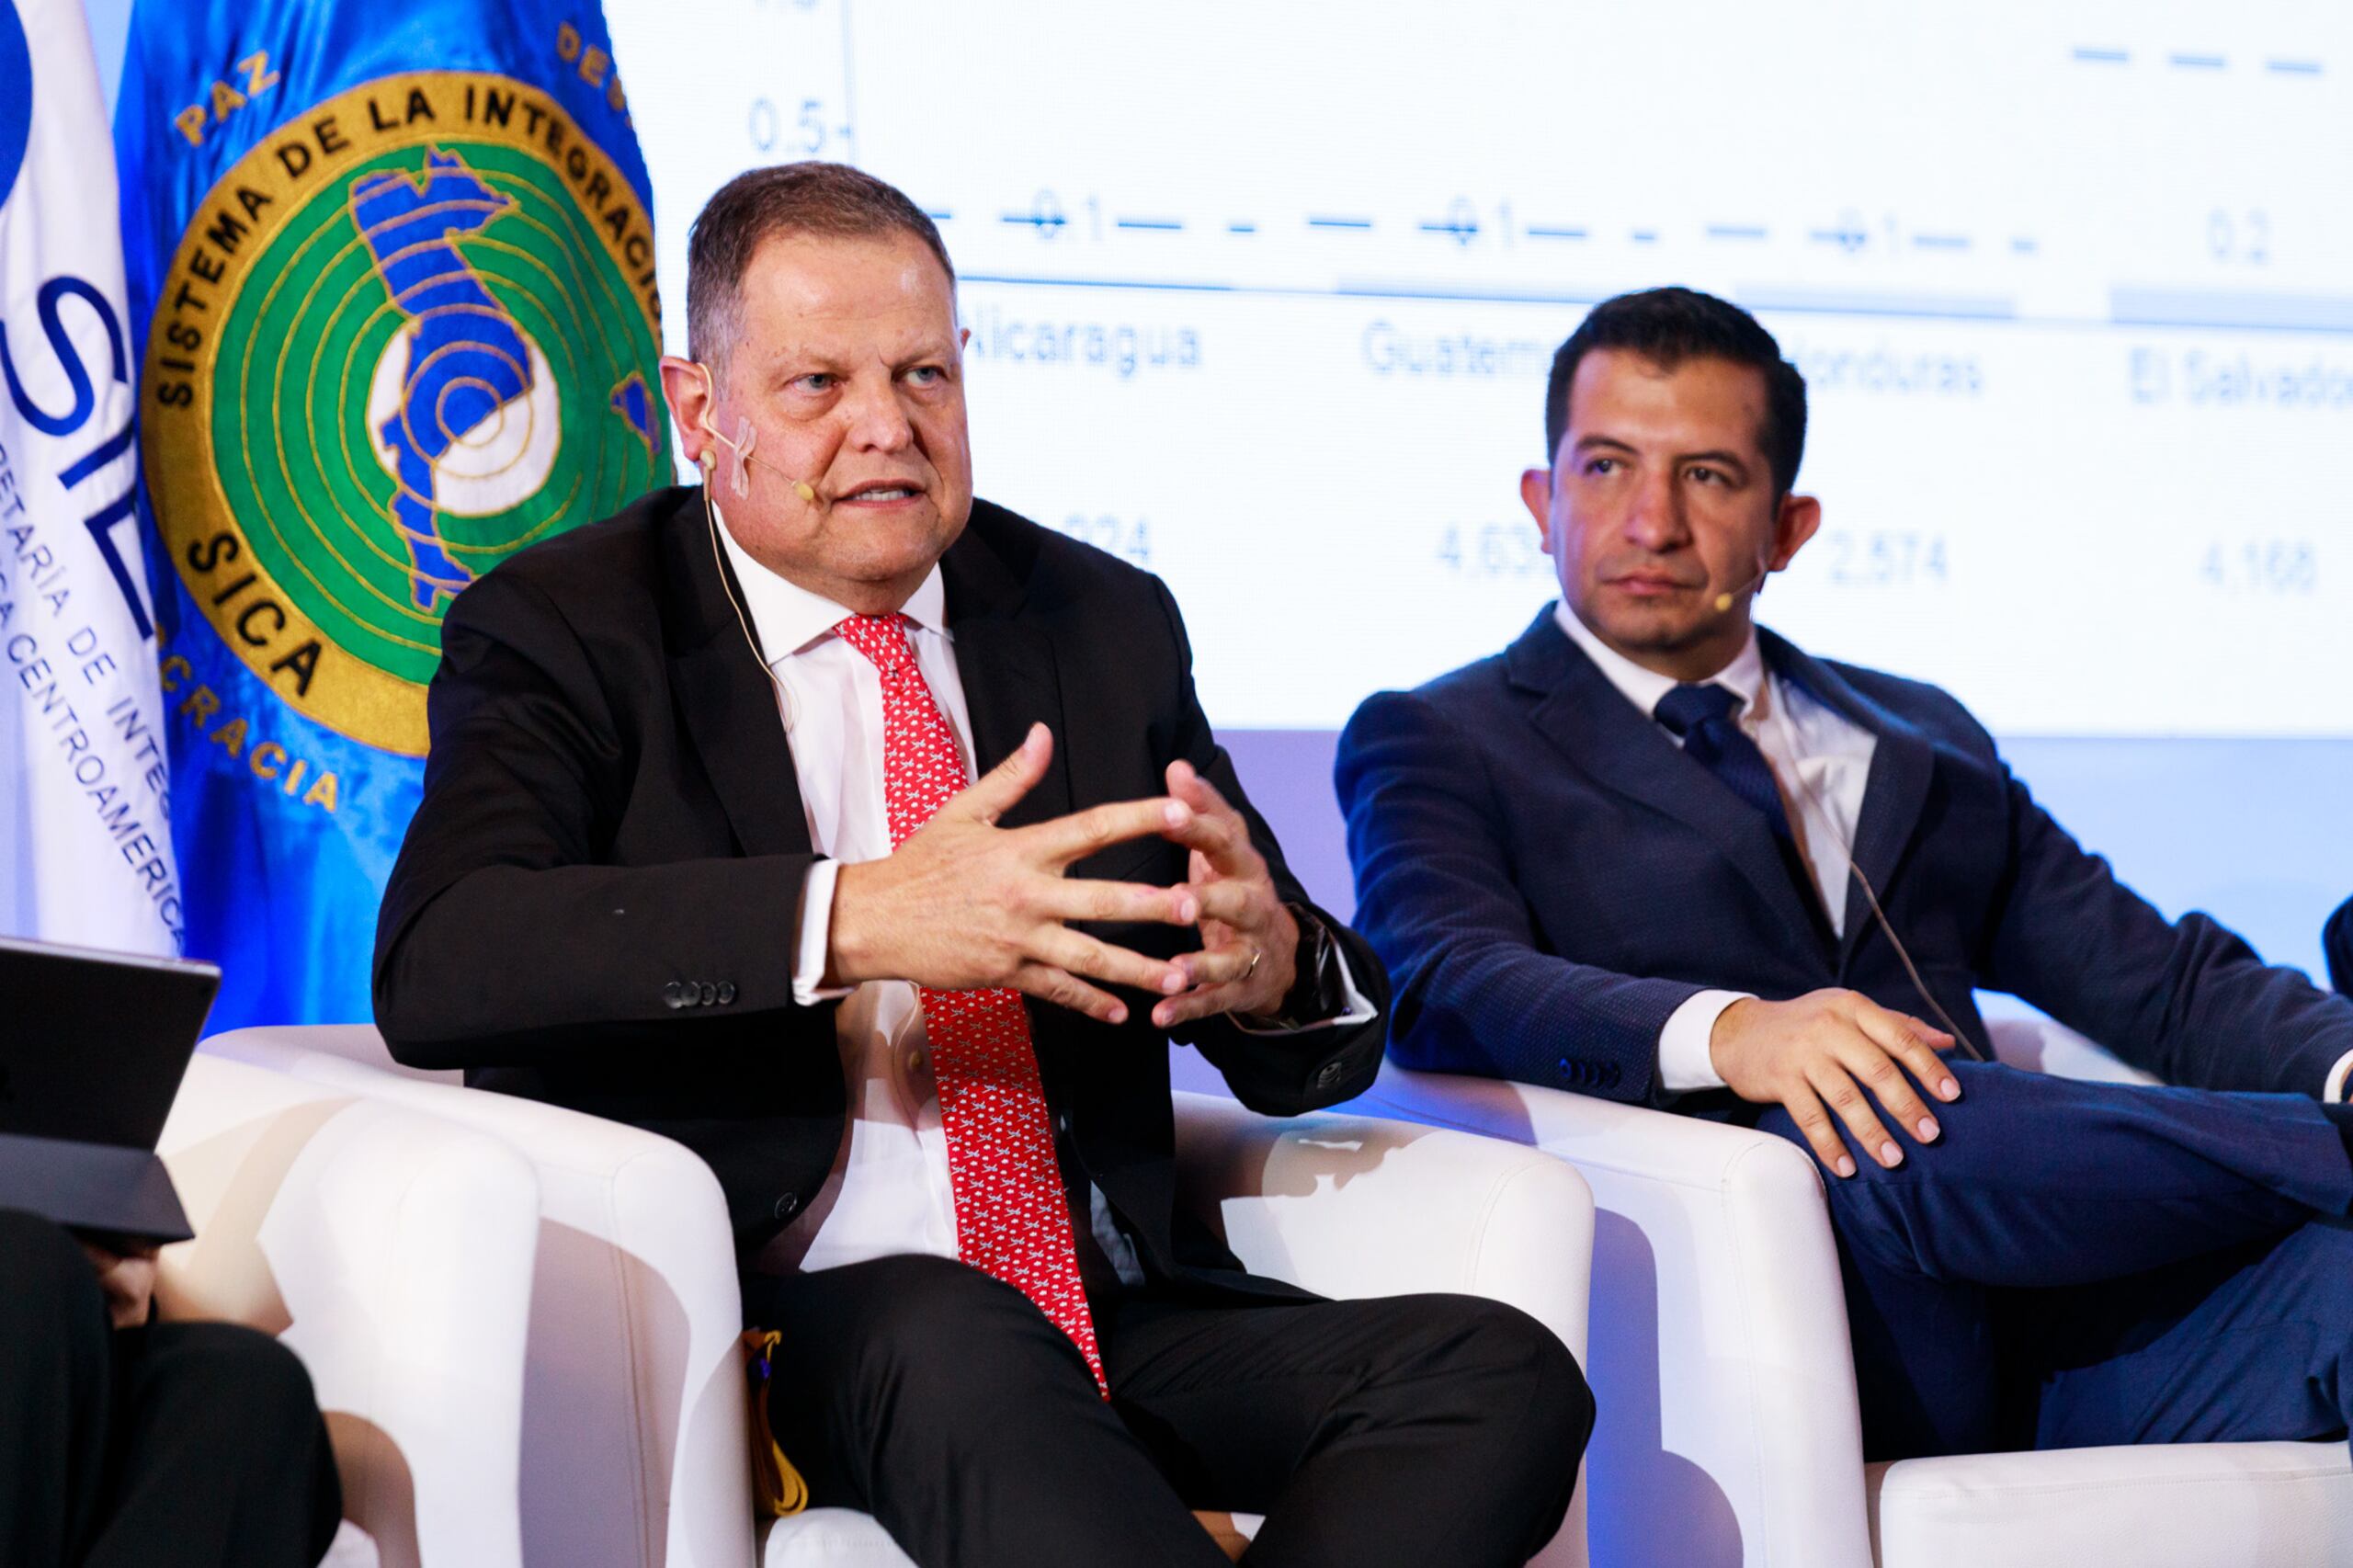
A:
408	334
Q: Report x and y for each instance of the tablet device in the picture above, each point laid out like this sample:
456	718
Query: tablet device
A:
93	1046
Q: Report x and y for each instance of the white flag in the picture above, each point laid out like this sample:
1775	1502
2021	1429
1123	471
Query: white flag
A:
85	850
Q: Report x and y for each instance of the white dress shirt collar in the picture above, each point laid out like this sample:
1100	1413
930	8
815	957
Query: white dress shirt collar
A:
788	617
1743	677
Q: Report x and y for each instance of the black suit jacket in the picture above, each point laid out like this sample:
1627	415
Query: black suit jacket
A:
1549	876
595	902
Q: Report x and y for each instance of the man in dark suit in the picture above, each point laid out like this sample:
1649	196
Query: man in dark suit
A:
124	1440
1652	853
701	849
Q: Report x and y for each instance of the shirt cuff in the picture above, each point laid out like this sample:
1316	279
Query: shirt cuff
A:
2333	1091
1354	1008
1684	1063
814	928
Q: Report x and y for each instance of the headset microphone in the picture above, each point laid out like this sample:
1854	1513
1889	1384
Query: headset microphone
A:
739	481
746	437
1724	599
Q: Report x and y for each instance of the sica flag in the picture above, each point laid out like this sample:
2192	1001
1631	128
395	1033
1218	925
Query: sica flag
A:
85	853
393	266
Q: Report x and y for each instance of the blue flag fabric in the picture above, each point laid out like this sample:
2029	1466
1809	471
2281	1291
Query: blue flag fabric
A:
392	268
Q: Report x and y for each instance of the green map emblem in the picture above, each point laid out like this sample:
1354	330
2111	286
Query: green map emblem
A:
412	333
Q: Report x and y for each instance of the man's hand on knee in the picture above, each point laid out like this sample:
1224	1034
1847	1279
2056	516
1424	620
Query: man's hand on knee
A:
1831	1053
963	904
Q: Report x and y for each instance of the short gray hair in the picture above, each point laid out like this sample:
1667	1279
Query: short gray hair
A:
832	199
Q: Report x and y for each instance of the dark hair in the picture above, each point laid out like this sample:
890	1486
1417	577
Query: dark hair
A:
1667	326
832	199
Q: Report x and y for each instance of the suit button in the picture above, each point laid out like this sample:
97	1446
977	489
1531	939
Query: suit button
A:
710	993
726	992
787	1206
672	996
1328	1074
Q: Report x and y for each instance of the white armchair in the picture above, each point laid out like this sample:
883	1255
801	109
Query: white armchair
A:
1352	1206
390	1250
634	1427
633	1441
1729	1430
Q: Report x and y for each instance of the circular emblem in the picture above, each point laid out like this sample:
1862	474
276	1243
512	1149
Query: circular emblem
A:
15	96
404	337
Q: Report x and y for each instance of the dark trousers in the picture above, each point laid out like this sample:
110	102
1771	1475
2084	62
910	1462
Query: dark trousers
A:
2074	1264
1410	1430
195	1444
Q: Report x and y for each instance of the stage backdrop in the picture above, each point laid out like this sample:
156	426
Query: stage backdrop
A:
1264	297
1265	302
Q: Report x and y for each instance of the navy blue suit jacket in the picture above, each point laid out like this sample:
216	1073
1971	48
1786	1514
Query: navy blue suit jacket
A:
1549	876
2338	938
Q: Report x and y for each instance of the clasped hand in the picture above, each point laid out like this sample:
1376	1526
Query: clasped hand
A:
126	1276
1832	1052
964	904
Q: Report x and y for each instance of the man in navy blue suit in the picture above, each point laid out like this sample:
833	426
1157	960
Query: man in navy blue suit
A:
1654	853
2337	936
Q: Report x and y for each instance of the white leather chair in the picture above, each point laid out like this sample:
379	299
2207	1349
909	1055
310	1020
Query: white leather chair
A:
634	1444
634	1312
391	1251
1729	1428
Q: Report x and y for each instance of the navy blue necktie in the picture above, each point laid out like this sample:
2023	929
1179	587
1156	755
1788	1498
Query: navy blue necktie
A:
1702	717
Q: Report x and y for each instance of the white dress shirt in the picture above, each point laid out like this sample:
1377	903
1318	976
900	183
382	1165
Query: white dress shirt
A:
1822	761
890	1191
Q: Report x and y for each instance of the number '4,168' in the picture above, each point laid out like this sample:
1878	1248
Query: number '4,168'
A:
2261	566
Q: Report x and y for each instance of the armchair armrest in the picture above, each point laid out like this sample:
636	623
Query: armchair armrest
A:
634	1431
2037	1044
393	1251
1348	1205
1729	1429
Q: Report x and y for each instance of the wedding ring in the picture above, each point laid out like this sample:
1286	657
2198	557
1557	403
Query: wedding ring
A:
1254	955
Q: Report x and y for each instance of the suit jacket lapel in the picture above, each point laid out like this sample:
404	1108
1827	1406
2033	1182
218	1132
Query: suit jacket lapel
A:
1007	663
724	695
1902	765
1590	722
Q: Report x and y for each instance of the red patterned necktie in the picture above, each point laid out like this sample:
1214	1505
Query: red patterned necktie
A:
1012	1217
